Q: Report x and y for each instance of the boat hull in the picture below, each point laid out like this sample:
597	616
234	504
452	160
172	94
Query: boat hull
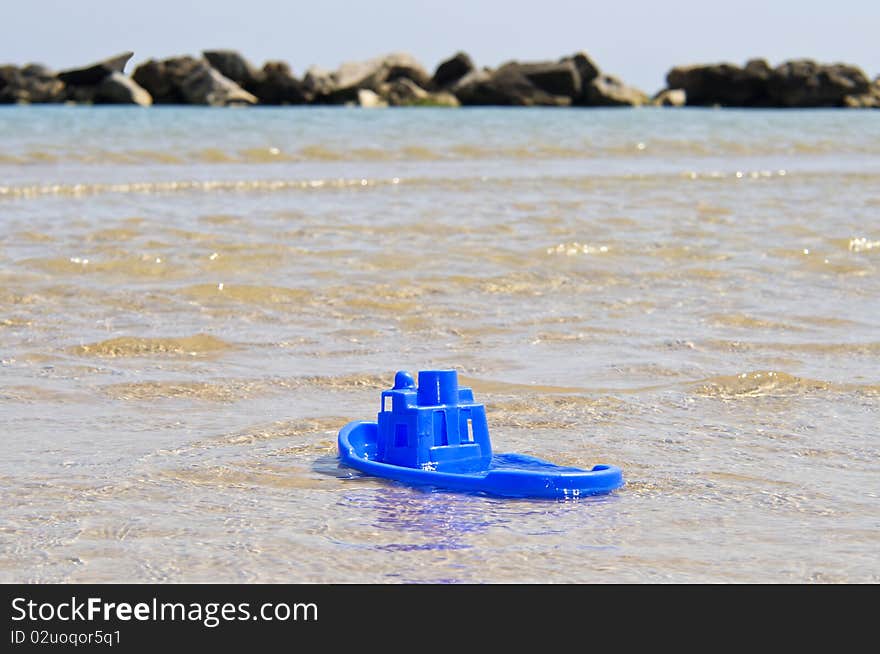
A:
508	475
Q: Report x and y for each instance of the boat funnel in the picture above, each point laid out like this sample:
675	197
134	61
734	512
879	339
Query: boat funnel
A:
438	387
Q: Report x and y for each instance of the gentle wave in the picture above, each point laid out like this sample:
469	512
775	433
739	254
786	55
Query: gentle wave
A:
742	321
771	383
462	183
422	152
870	348
235	389
36	190
130	346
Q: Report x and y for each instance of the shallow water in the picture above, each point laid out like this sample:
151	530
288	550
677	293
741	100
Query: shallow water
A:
194	301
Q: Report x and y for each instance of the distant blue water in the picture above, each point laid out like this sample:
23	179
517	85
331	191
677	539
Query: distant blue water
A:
90	144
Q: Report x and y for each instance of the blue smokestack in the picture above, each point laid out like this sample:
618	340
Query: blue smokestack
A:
437	387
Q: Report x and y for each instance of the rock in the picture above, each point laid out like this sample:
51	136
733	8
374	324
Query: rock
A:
403	92
163	79
353	76
80	94
587	71
670	98
207	86
82	83
277	85
555	78
186	80
722	84
317	82
343	84
504	87
441	99
116	88
608	91
758	69
407	68
798	83
37	70
94	73
805	83
452	70
32	84
864	101
10	77
369	99
7	74
233	66
869	100
585	66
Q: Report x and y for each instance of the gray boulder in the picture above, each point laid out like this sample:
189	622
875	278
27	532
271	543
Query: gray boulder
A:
369	99
864	101
403	66
32	84
317	82
608	91
80	94
403	92
277	85
274	84
670	98
758	68
586	67
116	88
94	73
163	79
723	84
234	66
343	84
587	71
452	70
10	84
187	80
806	83
556	78
504	87
207	86
797	83
869	100
37	70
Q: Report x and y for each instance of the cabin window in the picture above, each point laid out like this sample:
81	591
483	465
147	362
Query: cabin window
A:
400	435
440	436
385	399
465	427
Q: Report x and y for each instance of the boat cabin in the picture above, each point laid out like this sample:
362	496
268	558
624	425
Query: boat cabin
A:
435	426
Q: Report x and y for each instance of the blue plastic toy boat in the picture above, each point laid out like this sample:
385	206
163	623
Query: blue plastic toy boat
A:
436	435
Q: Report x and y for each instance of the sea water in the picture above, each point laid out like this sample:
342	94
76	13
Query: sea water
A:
194	301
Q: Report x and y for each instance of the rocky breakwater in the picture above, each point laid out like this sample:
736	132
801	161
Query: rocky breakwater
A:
226	78
797	83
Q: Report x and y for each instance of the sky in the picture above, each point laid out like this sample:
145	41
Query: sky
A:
636	40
